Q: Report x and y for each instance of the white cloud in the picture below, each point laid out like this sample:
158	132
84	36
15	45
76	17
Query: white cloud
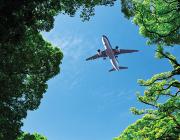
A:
74	46
75	49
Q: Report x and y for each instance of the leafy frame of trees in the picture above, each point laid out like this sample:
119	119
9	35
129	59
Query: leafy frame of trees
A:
159	21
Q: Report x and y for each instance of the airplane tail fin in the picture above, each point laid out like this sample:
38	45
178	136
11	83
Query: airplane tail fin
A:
120	67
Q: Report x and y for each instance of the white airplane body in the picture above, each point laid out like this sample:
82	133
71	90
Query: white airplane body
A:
111	53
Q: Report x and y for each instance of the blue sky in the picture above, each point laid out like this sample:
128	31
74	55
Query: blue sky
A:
85	101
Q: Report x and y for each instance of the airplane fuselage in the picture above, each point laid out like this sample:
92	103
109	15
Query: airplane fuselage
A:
110	53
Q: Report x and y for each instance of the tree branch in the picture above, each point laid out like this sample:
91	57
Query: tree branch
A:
166	56
147	103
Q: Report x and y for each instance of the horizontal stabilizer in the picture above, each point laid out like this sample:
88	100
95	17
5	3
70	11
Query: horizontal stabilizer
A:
123	67
113	69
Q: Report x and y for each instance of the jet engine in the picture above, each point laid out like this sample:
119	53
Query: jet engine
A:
116	56
117	47
99	52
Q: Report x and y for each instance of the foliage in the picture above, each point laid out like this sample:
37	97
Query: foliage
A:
162	120
151	128
127	8
159	21
17	15
25	68
27	136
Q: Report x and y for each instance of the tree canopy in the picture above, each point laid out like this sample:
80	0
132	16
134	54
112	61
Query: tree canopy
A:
159	21
162	119
27	136
25	68
17	16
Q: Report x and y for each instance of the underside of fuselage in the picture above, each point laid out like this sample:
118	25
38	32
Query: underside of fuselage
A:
114	64
110	53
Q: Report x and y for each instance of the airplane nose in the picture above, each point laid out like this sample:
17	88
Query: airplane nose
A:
103	36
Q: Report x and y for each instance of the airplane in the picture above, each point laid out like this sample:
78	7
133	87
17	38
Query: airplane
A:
111	53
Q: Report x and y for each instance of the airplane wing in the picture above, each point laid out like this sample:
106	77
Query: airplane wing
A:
121	51
102	54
